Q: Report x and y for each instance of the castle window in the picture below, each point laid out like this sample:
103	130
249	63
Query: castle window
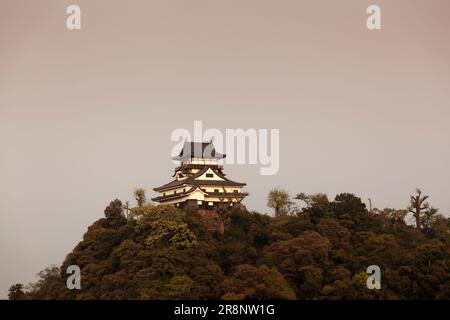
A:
210	204
236	191
164	194
175	192
184	190
216	190
209	175
199	202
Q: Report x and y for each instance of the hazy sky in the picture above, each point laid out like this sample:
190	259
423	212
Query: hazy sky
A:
86	116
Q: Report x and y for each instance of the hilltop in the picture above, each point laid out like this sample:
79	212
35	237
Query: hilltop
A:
320	251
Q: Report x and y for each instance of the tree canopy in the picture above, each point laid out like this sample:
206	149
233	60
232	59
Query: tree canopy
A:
320	251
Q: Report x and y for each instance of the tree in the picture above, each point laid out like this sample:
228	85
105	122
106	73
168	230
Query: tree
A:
313	199
338	235
350	211
49	286
114	210
179	287
417	205
429	217
278	199
249	282
141	198
301	261
15	292
165	225
393	215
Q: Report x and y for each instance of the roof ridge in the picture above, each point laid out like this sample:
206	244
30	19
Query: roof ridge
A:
174	183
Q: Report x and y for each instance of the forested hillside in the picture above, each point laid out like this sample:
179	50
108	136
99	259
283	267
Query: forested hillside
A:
319	251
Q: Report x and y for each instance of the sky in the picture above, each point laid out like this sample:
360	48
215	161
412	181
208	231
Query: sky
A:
86	115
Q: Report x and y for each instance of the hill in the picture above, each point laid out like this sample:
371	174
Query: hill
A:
320	252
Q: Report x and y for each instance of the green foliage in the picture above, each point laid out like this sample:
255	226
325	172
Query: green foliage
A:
321	252
114	210
179	287
15	292
165	224
49	286
311	200
249	282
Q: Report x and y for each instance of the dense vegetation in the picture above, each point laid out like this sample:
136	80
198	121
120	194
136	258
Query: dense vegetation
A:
318	251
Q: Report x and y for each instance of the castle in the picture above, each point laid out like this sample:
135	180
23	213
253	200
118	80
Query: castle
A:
199	181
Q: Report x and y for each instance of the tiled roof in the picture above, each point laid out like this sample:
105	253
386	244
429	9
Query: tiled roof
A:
203	150
193	188
192	181
175	195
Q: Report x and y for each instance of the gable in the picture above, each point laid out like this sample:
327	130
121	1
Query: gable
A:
210	175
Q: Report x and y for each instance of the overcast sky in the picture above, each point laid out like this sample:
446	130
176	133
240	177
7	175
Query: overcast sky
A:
86	116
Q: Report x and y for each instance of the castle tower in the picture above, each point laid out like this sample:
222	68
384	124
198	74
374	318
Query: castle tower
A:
199	180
